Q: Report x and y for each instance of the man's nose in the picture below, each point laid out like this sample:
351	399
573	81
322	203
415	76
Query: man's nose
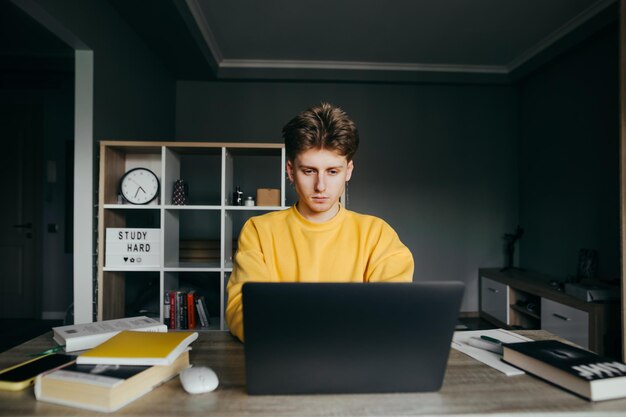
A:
320	184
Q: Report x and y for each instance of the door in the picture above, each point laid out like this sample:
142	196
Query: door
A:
20	212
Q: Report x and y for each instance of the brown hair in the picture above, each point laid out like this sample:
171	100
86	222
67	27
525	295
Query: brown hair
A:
324	126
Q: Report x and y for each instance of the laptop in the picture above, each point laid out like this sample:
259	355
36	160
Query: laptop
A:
333	338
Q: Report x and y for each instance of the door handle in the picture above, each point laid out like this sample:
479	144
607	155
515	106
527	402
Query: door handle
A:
23	226
558	316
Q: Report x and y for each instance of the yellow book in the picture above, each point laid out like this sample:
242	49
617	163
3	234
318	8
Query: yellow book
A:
139	348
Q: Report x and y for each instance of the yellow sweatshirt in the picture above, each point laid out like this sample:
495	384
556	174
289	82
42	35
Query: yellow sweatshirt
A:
283	246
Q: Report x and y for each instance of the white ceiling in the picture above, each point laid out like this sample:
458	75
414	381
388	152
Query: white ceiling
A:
390	40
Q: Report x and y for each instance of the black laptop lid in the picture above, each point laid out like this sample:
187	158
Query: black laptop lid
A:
348	338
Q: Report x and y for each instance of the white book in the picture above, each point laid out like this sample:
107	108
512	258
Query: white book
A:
88	335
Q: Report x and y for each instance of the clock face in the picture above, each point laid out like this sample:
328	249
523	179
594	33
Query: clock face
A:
139	186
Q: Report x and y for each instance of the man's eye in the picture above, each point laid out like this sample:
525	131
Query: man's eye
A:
308	171
333	172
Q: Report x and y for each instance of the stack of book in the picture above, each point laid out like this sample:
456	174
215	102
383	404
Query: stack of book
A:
118	371
184	309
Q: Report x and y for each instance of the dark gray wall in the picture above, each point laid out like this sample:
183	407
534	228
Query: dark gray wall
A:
133	92
569	160
134	99
438	162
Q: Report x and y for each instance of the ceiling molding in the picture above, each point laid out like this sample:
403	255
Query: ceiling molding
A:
205	30
395	72
359	71
559	34
358	66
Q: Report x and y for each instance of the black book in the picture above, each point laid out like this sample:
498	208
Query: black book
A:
580	371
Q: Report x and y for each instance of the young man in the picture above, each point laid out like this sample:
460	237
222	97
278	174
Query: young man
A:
317	239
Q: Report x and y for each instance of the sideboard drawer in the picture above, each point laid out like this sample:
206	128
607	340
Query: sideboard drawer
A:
567	322
494	299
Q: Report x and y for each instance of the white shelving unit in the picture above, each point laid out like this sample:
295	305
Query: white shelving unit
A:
212	171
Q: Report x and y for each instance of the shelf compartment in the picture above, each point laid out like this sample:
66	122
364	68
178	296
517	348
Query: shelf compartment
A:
130	293
183	226
117	160
524	309
201	170
148	218
252	168
121	216
205	284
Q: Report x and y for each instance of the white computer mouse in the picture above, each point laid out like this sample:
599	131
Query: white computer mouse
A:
198	379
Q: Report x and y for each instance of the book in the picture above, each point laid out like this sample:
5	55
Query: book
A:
181	310
138	348
203	312
191	311
104	387
166	309
580	371
172	295
88	335
182	296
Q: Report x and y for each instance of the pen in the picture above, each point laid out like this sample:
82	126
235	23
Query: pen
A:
49	351
491	339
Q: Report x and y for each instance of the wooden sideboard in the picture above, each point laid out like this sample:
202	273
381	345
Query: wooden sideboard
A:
518	299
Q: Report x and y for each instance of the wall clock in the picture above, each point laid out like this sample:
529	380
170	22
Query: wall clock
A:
139	186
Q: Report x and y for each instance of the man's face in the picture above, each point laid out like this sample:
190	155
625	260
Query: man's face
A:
319	177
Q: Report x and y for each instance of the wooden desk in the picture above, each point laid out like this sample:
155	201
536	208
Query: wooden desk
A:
470	387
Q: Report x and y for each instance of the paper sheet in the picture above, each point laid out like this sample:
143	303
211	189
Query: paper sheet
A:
459	342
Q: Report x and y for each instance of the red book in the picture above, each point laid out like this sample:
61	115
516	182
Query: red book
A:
191	311
172	309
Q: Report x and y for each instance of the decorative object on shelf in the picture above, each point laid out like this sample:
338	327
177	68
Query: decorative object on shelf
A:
180	193
509	247
556	285
132	247
249	201
587	264
267	197
238	197
139	186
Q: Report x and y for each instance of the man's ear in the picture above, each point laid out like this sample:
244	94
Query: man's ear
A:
289	166
349	170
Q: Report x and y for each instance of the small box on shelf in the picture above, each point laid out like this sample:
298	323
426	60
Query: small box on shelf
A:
267	197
